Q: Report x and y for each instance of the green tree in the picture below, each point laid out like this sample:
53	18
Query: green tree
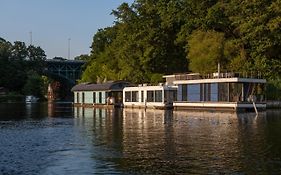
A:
206	50
34	85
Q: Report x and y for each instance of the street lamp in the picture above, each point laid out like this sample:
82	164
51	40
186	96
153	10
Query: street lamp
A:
69	48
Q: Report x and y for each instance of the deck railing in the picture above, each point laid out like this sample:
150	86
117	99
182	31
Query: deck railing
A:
254	75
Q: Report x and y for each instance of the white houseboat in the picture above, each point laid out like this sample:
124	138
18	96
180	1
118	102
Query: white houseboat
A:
224	91
143	96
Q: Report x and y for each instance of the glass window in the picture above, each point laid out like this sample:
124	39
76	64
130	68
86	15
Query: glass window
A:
223	91
193	91
170	96
235	91
158	96
77	97
128	96
100	97
184	92
141	96
150	96
260	92
214	92
207	92
83	97
135	96
94	97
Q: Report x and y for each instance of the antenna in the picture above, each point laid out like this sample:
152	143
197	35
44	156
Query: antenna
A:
69	48
30	35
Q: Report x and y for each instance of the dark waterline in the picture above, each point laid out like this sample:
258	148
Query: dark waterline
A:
59	139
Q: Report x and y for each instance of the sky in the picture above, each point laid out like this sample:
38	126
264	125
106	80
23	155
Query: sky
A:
56	24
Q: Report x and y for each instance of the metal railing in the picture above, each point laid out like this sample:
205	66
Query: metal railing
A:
253	75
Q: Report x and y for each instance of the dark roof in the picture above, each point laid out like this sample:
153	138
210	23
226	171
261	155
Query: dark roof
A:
110	85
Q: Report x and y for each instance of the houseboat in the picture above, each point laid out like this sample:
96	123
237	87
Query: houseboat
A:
219	91
108	94
144	96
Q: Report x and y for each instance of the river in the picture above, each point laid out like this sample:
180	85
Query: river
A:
59	139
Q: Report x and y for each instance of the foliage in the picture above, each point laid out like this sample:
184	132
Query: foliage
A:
165	36
34	84
16	60
206	50
273	90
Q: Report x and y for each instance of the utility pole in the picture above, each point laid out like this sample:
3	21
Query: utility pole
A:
69	48
30	35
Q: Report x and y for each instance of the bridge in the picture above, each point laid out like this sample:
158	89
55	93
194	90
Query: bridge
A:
64	71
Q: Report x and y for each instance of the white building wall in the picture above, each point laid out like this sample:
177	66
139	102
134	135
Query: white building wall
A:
75	97
88	97
103	97
80	97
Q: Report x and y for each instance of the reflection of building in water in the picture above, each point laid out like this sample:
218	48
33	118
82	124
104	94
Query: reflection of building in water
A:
149	139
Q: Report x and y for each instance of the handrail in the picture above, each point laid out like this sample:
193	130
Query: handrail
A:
256	75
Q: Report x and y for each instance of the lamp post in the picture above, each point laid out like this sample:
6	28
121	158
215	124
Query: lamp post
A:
69	48
30	35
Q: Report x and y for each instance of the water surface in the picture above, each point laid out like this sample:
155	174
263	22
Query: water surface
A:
59	139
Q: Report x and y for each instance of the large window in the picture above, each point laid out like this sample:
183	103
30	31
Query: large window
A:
254	90
150	96
235	91
223	91
193	91
214	92
170	96
158	96
184	92
128	96
207	92
135	96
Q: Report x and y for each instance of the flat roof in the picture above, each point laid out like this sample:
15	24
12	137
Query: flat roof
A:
221	80
99	86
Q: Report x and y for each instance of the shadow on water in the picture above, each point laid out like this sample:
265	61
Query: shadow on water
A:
21	111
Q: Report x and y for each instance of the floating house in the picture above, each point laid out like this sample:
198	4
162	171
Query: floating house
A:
143	96
101	94
224	91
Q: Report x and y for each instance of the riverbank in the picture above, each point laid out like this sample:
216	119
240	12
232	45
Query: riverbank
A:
11	97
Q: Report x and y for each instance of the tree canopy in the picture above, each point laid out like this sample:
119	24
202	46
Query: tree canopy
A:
17	62
150	38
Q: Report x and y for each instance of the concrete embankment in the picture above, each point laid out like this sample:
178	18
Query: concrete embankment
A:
273	104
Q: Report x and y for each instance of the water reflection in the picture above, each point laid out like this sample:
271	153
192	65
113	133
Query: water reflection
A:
157	141
58	139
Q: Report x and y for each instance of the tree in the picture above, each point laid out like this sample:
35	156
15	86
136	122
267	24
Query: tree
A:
19	51
36	58
34	85
205	51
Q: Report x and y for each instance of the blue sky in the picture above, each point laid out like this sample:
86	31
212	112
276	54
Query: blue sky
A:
53	22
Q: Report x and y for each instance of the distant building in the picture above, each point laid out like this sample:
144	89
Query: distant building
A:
109	93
